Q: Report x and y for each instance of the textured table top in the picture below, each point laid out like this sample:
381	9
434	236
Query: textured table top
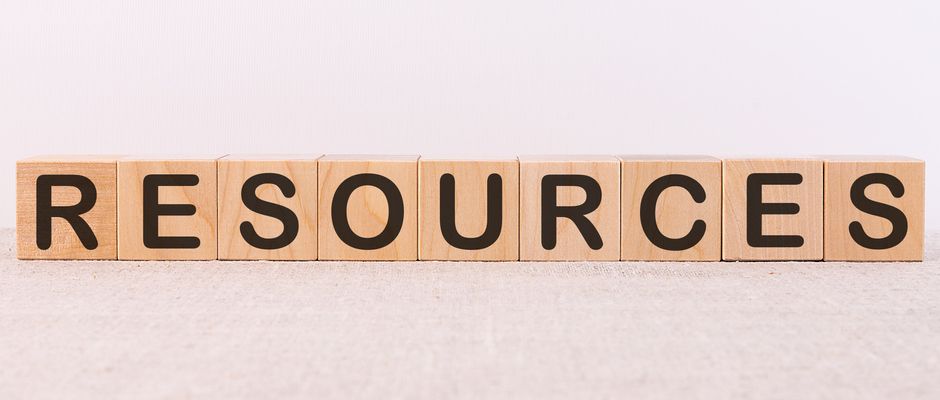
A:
470	330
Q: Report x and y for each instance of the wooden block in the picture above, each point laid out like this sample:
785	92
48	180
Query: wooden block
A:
772	209
368	207
579	199
66	207
671	208
268	207
167	208
874	207
479	199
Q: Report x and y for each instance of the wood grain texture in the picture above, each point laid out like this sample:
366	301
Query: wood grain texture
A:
102	218
368	208
676	211
571	245
234	171
470	187
202	225
840	174
807	223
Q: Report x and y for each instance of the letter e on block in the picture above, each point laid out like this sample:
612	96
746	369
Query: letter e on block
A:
874	208
772	209
268	207
368	207
167	208
66	207
569	208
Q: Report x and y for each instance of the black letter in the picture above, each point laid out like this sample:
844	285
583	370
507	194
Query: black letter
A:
577	214
868	206
648	212
494	214
756	208
396	211
277	211
153	210
45	211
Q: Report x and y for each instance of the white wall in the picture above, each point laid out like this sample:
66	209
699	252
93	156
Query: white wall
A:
723	77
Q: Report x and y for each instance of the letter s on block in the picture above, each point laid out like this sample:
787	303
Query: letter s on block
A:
895	216
273	210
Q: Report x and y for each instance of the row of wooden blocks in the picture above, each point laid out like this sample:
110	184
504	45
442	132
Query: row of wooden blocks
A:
344	207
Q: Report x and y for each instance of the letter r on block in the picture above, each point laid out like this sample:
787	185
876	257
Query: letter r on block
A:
66	207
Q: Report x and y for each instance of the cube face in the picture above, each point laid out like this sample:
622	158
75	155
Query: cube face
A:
167	209
897	182
468	205
62	180
587	186
365	225
789	231
667	196
280	217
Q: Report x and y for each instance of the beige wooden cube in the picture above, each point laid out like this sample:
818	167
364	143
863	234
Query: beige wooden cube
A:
167	208
66	207
268	207
671	208
874	208
569	208
368	207
468	208
772	209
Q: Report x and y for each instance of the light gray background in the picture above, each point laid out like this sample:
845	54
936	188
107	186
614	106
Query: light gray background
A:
722	77
470	330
